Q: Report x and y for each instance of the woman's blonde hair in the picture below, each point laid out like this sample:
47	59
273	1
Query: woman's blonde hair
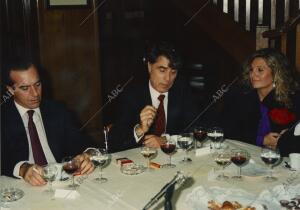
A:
281	71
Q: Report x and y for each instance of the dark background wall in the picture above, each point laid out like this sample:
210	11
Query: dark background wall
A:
86	61
127	26
67	51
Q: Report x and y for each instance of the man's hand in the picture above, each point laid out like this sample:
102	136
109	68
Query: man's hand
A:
271	139
86	165
32	174
153	141
147	116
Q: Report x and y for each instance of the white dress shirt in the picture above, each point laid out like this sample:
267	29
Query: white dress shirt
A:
38	121
155	102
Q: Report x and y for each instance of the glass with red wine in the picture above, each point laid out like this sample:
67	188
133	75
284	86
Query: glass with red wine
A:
240	158
71	165
200	134
169	148
270	157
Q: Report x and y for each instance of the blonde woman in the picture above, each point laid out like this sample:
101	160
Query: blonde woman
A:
264	112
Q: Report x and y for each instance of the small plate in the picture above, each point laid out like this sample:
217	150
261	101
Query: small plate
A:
10	194
132	169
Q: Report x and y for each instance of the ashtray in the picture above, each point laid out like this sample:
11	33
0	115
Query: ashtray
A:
10	194
132	169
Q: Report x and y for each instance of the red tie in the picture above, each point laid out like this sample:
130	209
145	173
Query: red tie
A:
160	122
37	150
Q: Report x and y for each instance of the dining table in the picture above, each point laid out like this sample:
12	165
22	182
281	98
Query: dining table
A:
133	192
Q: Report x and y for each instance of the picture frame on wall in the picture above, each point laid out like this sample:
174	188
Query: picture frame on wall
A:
64	4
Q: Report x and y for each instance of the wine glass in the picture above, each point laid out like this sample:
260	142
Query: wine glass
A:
200	134
185	141
223	159
71	166
49	173
216	135
100	158
169	148
148	153
270	157
240	158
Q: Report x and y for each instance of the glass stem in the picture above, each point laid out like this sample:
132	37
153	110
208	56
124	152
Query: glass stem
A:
240	171
148	163
170	159
271	171
100	172
73	182
50	186
186	155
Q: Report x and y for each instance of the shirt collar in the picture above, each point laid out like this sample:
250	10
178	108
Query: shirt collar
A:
23	111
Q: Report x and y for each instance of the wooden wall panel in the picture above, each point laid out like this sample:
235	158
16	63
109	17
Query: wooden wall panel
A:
70	53
298	48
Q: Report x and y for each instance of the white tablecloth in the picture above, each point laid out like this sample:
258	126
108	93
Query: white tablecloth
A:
133	192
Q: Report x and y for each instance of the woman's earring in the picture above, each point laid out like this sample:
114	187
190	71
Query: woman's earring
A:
274	85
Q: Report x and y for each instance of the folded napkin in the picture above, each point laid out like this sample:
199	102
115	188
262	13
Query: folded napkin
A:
202	151
66	194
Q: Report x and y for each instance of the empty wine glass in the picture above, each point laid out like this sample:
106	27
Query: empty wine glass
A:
169	148
148	153
200	134
216	135
49	173
240	158
270	157
185	142
71	166
100	158
223	159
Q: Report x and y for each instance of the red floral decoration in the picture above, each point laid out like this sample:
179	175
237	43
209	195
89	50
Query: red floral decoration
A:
282	116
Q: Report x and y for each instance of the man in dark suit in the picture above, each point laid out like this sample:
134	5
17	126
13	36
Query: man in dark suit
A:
163	105
35	132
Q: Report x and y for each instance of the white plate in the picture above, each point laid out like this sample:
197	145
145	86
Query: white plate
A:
10	194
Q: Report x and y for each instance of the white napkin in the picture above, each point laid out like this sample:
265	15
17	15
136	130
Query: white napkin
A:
67	194
202	151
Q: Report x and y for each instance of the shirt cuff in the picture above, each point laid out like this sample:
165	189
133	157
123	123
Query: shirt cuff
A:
137	139
17	169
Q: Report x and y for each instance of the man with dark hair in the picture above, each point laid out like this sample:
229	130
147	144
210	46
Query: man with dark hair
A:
35	132
162	105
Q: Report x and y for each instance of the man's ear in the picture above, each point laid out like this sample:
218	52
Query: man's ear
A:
11	89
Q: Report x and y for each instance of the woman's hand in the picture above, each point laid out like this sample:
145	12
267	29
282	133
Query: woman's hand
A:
271	139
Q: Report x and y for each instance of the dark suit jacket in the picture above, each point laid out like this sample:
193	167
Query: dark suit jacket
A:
288	143
241	115
181	112
61	130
